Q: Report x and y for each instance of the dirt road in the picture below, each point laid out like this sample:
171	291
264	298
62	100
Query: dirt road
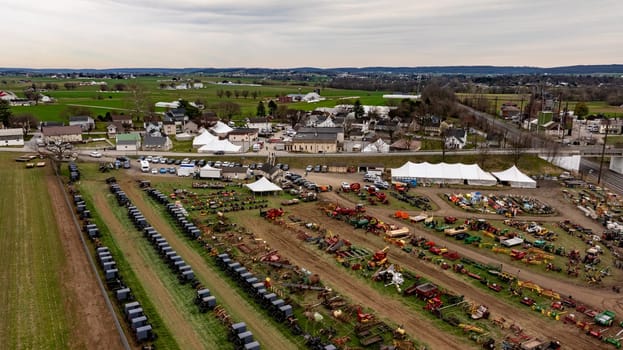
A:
236	305
93	327
158	293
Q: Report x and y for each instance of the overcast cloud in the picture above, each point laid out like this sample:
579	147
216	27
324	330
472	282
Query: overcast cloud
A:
321	33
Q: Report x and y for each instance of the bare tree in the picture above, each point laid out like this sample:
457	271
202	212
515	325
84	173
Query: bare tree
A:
137	102
228	94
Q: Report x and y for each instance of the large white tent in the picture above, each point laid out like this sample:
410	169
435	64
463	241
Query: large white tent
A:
263	185
217	145
515	178
457	173
209	172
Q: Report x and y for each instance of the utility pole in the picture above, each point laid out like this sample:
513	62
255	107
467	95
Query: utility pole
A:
603	151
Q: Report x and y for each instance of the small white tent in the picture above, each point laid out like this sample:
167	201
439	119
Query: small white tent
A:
263	185
378	146
221	129
515	178
210	172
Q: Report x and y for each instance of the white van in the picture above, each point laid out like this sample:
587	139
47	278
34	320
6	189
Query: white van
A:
144	166
256	147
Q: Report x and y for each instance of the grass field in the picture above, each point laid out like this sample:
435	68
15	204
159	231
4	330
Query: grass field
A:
116	102
594	107
32	315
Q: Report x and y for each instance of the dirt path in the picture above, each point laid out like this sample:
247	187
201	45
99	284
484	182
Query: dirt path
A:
237	306
158	293
302	255
93	327
534	324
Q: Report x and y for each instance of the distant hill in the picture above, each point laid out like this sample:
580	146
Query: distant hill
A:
466	70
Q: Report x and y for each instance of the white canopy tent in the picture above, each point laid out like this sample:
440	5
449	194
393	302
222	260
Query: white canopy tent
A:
203	139
378	146
457	173
210	172
217	145
263	185
221	129
515	178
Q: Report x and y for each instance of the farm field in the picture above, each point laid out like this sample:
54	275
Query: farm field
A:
50	297
594	107
118	102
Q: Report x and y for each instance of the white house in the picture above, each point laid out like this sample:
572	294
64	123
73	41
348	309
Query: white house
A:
85	122
456	138
12	137
128	142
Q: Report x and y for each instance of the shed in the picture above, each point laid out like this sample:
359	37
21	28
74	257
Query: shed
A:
12	137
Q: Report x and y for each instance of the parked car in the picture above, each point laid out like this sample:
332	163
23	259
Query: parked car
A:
317	168
95	154
381	184
172	170
154	171
163	170
285	167
219	153
309	168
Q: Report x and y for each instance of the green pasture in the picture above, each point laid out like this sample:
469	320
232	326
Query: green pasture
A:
33	313
100	102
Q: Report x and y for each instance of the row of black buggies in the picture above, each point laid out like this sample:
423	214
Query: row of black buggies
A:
132	311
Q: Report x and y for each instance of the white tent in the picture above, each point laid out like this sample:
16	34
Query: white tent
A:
457	173
217	145
515	178
221	129
378	146
203	139
210	172
263	185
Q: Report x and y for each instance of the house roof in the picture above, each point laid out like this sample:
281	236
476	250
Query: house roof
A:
80	118
126	142
321	130
12	132
128	137
319	138
121	117
243	131
154	141
458	133
62	130
258	120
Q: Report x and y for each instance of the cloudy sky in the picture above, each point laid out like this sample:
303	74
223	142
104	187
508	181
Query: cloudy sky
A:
320	33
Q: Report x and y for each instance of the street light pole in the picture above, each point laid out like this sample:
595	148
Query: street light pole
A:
603	151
